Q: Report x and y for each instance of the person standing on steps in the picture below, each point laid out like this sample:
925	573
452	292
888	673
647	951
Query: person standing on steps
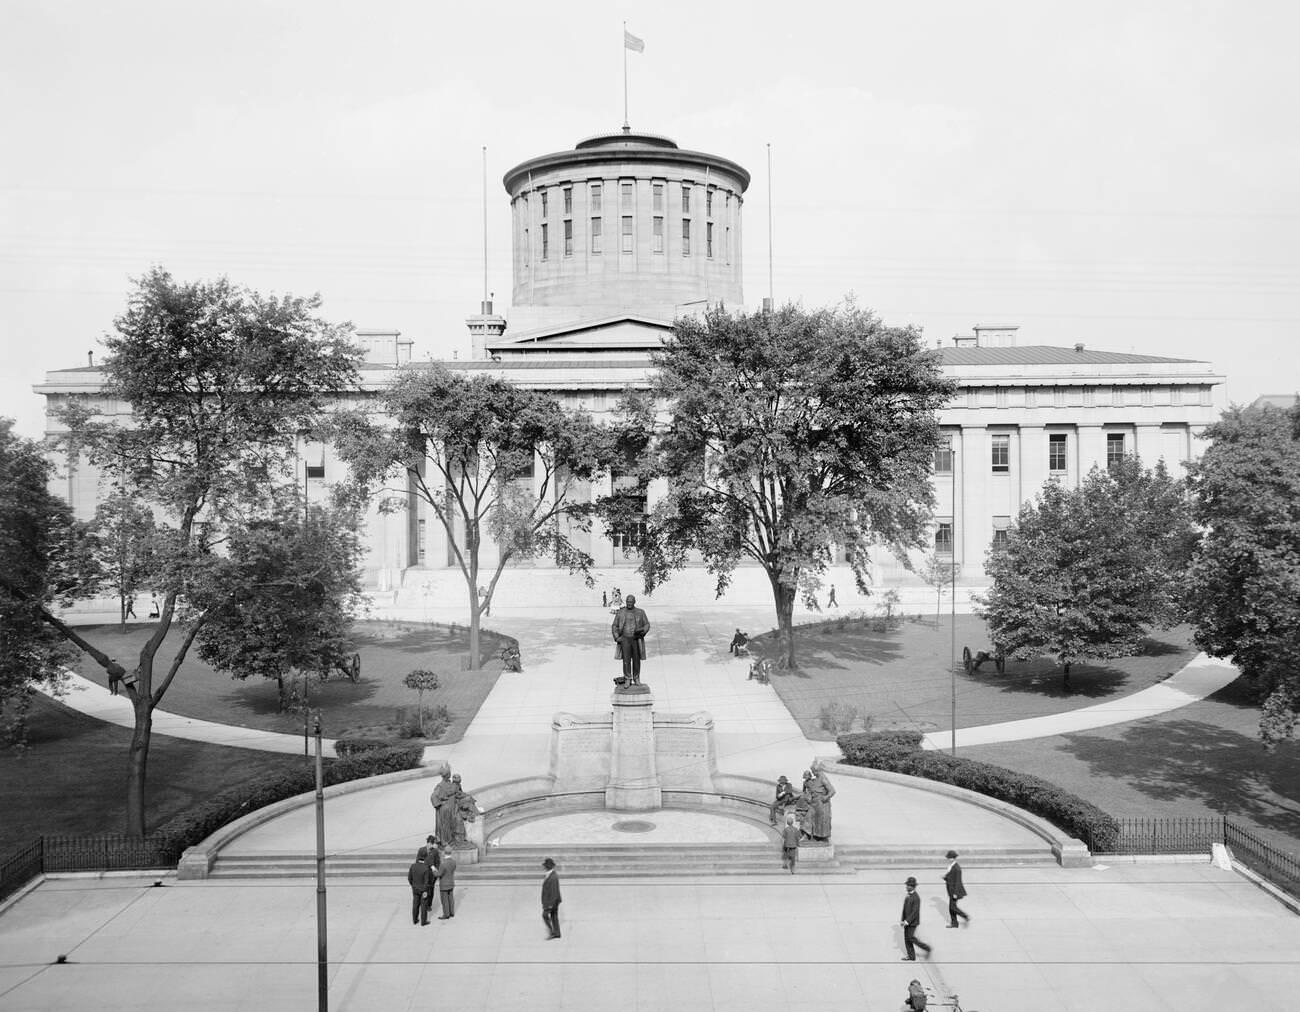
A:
789	844
956	891
629	628
447	885
551	900
911	920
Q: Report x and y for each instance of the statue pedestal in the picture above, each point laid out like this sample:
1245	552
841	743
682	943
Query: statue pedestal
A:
633	774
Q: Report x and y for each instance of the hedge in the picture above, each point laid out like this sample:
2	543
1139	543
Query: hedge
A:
901	752
205	818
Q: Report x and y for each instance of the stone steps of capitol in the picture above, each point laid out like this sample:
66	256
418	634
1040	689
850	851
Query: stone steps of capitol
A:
621	861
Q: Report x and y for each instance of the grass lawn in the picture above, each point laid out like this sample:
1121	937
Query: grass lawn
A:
389	651
1203	759
72	778
903	678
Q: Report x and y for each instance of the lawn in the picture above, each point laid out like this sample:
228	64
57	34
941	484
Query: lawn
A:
904	678
389	651
72	777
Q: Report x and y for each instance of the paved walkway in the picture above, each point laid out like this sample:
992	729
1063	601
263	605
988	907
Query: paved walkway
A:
1128	938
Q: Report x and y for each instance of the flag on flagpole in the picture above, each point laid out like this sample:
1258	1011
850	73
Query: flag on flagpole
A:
631	42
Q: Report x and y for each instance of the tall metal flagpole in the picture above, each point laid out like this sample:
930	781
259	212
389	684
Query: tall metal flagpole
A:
626	124
771	299
485	238
952	660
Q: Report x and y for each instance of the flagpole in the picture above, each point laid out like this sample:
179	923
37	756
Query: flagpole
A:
626	125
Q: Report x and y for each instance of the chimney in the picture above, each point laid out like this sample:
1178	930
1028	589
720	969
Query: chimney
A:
90	359
1078	347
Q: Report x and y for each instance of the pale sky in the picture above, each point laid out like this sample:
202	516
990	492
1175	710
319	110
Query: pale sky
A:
1126	174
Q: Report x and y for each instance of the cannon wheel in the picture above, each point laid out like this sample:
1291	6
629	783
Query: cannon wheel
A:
354	668
966	661
1000	661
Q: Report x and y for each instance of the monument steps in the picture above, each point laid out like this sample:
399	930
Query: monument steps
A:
649	860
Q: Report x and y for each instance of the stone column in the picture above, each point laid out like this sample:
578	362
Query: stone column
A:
633	776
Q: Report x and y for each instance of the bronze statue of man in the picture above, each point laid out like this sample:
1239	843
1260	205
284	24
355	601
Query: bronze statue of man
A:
629	629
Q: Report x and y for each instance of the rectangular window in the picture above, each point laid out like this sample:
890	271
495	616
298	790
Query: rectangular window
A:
686	237
526	247
421	538
1114	448
546	203
568	237
626	190
1000	444
1001	532
313	455
708	239
568	199
546	241
658	234
627	233
708	201
595	198
658	198
943	538
686	198
595	235
943	457
1056	451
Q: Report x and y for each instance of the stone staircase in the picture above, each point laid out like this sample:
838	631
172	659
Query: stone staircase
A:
700	860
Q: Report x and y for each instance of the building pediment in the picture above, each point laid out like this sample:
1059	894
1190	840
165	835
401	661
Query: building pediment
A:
623	332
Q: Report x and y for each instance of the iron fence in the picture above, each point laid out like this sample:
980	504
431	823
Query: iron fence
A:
1265	860
1159	836
83	852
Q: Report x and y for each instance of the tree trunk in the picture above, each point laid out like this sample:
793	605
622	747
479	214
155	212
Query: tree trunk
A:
474	613
137	762
1065	681
784	599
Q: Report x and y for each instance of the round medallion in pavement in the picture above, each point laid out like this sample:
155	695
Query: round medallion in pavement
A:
633	826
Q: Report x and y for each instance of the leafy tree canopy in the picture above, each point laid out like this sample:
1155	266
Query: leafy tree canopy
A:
1086	572
1244	585
220	381
35	537
487	457
790	433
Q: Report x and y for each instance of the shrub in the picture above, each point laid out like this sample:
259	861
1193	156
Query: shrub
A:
205	818
900	752
354	745
837	717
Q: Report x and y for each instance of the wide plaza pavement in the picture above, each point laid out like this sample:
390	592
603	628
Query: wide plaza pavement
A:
1121	936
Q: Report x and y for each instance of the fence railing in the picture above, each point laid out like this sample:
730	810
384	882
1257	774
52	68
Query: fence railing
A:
1197	836
1265	860
83	852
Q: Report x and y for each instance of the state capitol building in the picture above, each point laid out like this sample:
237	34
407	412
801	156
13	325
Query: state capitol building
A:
616	238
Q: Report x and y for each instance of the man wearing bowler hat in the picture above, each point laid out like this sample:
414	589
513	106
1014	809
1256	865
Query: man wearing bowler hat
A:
956	891
910	920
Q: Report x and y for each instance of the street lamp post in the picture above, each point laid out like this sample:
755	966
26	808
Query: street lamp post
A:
322	958
952	604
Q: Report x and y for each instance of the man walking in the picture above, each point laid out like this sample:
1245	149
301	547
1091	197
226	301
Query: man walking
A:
956	891
789	844
420	876
910	921
551	900
629	628
446	874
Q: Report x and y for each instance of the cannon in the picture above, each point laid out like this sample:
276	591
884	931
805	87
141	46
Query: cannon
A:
971	662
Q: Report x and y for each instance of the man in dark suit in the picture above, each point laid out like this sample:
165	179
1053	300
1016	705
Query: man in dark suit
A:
551	900
420	876
911	920
446	874
629	628
956	891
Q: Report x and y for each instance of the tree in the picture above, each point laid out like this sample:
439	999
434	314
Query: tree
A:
219	380
941	574
35	532
119	545
487	457
280	601
1085	573
1243	589
790	433
421	680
